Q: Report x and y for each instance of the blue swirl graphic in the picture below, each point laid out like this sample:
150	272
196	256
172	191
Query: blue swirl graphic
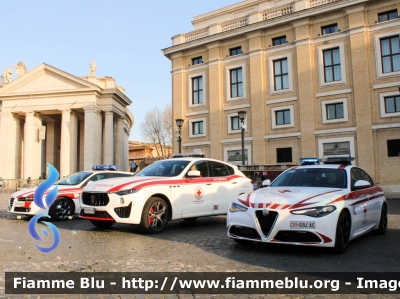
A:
32	231
51	196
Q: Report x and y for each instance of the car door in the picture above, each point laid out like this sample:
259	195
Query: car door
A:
198	192
361	207
226	189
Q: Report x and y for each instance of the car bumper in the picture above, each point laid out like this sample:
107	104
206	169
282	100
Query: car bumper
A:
282	227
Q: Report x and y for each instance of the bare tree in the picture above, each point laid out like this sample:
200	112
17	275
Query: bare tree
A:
157	129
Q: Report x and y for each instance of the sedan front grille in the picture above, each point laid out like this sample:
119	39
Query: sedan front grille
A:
95	199
297	237
266	223
244	232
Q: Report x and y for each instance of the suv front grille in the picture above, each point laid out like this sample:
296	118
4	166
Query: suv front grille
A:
266	223
97	214
95	199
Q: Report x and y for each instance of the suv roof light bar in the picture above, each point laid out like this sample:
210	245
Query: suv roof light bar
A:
195	155
105	167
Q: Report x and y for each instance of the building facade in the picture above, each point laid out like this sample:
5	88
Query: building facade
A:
143	153
73	123
315	77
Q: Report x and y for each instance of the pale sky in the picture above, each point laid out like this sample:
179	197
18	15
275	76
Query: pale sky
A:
124	37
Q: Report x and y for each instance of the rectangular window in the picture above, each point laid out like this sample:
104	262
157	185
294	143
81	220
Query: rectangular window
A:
197	128
281	74
332	69
392	104
393	147
388	15
235	51
236	83
235	123
329	29
284	155
282	117
276	41
335	111
197	90
197	60
390	51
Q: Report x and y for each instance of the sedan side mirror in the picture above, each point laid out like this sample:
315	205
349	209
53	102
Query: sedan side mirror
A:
361	184
266	183
194	173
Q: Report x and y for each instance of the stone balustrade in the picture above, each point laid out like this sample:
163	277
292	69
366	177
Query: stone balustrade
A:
277	11
264	15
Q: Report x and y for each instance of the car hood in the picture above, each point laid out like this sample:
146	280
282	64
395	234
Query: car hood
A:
29	192
116	184
279	198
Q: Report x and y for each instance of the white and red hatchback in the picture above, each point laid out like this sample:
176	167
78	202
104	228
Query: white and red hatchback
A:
69	190
324	205
165	190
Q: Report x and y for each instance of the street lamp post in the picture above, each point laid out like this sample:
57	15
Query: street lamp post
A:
179	123
242	116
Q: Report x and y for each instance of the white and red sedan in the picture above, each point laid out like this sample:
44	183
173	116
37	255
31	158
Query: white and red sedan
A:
325	205
182	187
69	190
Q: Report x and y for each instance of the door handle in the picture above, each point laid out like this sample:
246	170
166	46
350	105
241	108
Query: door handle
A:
234	182
209	184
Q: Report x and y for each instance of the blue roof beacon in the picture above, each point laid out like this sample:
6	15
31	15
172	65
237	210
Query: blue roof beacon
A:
105	167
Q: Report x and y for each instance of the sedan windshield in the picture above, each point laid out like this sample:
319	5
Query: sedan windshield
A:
164	168
312	177
74	179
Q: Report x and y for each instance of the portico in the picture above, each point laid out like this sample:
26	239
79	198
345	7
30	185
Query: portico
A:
73	123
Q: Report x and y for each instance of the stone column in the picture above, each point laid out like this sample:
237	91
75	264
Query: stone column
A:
50	142
108	139
9	149
91	137
126	148
65	148
81	143
119	144
74	142
29	143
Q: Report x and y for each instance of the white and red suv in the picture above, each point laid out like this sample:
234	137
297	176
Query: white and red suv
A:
69	191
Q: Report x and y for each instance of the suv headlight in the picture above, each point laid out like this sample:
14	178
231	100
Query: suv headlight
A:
125	192
315	212
234	207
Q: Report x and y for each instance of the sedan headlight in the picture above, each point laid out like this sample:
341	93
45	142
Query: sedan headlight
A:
125	192
315	212
237	208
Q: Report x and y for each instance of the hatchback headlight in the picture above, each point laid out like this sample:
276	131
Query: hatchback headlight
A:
237	208
315	212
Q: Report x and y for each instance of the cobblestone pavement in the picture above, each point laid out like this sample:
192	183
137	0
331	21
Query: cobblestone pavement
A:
201	246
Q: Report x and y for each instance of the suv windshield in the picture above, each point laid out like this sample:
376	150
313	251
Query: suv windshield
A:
164	168
74	179
312	177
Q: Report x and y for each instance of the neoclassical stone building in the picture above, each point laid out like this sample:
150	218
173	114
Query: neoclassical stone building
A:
316	78
73	123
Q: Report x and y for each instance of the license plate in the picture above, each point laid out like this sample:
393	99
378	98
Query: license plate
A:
302	224
88	211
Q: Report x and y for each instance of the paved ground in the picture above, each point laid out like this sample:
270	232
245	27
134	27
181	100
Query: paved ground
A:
187	247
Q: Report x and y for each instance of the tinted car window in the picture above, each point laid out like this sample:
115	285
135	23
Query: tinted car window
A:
74	179
118	175
164	168
219	169
359	174
201	166
315	177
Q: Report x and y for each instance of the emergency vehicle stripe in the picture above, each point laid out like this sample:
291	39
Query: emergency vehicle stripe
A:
32	193
152	182
275	206
325	238
285	207
343	166
260	205
96	218
301	203
247	201
375	192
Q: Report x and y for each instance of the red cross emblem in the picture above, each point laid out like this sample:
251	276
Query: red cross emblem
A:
198	193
